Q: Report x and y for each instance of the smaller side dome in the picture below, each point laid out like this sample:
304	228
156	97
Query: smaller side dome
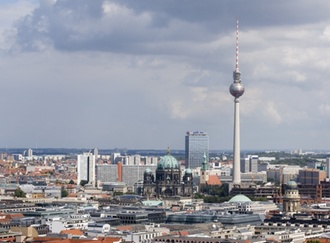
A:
292	185
147	171
188	171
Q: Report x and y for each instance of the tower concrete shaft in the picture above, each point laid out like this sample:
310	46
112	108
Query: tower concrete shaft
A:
236	149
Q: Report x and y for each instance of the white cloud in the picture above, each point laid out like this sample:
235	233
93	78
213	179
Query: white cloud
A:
272	113
121	69
324	109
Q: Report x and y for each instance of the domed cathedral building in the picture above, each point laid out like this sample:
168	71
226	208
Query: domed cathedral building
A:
167	181
291	198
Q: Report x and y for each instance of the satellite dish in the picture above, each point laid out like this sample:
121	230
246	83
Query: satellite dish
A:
106	228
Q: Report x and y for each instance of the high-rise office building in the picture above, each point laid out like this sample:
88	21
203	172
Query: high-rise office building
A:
29	153
328	167
96	153
196	145
254	161
86	168
245	165
249	164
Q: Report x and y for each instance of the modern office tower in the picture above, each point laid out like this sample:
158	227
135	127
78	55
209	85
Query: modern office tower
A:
254	163
315	165
96	153
196	145
311	176
29	153
236	89
245	165
86	168
114	157
328	167
249	164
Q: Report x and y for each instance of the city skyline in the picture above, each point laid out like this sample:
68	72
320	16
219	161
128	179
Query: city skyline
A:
139	74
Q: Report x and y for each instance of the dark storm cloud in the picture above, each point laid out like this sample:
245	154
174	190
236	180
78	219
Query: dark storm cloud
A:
151	26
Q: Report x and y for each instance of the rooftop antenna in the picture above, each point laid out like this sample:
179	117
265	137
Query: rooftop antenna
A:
237	70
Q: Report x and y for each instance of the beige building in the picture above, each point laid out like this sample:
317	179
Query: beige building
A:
291	199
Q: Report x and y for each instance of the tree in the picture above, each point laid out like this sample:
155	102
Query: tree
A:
313	241
19	193
71	182
117	194
83	182
215	190
64	193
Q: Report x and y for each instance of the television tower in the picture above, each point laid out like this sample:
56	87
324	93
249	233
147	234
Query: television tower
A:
236	89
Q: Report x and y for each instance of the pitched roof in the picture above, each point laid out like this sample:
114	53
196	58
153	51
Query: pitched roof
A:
124	227
214	180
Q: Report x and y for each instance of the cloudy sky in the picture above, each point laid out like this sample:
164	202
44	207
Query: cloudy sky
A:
139	74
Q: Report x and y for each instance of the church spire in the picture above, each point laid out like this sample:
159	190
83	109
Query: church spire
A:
204	164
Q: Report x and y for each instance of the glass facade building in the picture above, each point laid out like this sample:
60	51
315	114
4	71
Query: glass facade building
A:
196	145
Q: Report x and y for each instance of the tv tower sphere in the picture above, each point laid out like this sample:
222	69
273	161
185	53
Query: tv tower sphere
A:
236	89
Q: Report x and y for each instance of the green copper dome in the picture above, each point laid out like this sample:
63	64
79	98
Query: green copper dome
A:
147	171
168	162
188	171
240	198
292	184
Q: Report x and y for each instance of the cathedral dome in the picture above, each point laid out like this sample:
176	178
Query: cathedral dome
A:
168	162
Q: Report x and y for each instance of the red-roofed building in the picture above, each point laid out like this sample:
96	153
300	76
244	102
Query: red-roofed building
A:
61	240
214	180
124	227
72	232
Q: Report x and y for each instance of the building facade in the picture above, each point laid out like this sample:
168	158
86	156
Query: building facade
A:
311	176
249	164
129	174
196	145
86	168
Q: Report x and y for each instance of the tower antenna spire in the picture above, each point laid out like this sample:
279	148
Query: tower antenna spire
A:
236	45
